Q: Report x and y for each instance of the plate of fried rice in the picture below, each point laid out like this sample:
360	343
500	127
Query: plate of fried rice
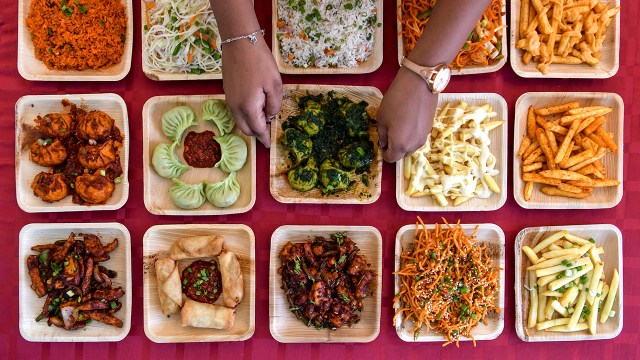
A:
75	40
327	37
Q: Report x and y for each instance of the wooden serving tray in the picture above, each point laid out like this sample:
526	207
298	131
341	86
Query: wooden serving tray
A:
608	66
284	325
27	108
278	166
156	196
370	65
490	234
602	198
498	147
31	306
160	328
33	69
470	69
605	235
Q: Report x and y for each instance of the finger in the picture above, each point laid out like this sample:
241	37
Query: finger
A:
382	137
262	131
257	122
392	154
273	100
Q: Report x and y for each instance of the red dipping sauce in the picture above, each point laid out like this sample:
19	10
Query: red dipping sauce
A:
201	281
201	150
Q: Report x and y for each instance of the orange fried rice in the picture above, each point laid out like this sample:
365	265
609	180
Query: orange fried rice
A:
78	34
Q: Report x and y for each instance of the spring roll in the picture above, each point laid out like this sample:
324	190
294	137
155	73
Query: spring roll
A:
231	274
164	268
197	247
172	287
203	315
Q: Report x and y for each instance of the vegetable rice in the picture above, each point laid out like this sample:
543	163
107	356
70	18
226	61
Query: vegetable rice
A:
329	33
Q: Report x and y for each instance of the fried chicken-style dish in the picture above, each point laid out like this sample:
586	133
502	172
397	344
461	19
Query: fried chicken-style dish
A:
56	125
95	157
74	144
77	287
94	189
50	187
95	124
325	280
47	152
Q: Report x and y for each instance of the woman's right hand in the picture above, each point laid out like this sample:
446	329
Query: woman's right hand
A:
405	116
252	86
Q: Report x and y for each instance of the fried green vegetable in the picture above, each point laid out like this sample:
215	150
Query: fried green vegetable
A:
331	178
312	119
357	155
302	178
299	145
356	119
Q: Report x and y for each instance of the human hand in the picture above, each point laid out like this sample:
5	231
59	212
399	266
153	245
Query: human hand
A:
405	116
252	86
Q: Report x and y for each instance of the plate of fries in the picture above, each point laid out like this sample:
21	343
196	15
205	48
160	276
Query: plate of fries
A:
565	38
464	162
568	150
569	283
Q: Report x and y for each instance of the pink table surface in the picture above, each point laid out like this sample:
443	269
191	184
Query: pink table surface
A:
268	214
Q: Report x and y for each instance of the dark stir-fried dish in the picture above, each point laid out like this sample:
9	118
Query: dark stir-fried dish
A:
77	288
82	150
325	280
328	143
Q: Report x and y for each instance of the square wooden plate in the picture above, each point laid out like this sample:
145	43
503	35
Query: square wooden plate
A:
499	144
33	69
284	325
156	188
370	65
605	235
27	109
160	328
608	66
168	76
278	182
490	234
31	306
602	198
468	70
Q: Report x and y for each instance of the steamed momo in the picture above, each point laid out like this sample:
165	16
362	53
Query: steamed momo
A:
223	193
177	120
166	163
187	196
234	153
216	111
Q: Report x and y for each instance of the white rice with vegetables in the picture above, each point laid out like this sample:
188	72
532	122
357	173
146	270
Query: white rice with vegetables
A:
326	33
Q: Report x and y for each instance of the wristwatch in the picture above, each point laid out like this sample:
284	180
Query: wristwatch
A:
436	77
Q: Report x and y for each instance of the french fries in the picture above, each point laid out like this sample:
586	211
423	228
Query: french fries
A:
567	288
565	160
562	32
456	162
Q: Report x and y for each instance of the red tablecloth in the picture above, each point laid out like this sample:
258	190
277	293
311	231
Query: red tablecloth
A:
268	214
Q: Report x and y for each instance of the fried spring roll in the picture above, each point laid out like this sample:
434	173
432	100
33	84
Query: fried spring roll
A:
232	283
203	315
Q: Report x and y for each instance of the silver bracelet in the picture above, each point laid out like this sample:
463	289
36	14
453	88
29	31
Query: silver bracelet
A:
252	37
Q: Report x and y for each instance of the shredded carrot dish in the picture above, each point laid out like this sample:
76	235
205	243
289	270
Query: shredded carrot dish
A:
78	34
483	46
447	283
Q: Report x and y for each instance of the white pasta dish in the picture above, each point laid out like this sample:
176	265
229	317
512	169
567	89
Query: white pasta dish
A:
329	33
181	36
456	161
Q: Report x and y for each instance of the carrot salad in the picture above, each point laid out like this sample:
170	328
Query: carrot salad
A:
447	283
483	46
78	34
